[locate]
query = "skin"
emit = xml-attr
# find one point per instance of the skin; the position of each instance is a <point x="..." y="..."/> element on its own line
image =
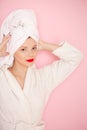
<point x="28" y="50"/>
<point x="3" y="45"/>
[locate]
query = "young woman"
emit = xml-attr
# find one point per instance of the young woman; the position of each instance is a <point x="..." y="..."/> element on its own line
<point x="24" y="89"/>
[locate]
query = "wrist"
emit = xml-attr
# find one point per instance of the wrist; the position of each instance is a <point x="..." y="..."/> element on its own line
<point x="51" y="47"/>
<point x="48" y="46"/>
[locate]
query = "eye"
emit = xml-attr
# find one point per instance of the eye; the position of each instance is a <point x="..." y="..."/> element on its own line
<point x="34" y="48"/>
<point x="23" y="49"/>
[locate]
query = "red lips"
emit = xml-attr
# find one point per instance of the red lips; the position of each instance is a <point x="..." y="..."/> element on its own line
<point x="30" y="60"/>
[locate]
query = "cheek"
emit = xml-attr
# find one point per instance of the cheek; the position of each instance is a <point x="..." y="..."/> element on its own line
<point x="35" y="54"/>
<point x="18" y="57"/>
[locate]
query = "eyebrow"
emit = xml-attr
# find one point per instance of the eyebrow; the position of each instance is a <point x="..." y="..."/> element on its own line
<point x="26" y="46"/>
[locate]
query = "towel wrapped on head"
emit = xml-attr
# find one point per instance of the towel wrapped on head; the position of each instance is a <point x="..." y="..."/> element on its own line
<point x="20" y="24"/>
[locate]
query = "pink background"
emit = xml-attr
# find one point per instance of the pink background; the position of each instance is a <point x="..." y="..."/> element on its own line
<point x="61" y="20"/>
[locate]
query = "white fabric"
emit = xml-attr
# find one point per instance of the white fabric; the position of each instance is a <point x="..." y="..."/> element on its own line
<point x="21" y="24"/>
<point x="23" y="109"/>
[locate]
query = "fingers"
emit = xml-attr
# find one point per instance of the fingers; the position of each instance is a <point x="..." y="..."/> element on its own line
<point x="4" y="54"/>
<point x="3" y="45"/>
<point x="6" y="39"/>
<point x="40" y="41"/>
<point x="41" y="44"/>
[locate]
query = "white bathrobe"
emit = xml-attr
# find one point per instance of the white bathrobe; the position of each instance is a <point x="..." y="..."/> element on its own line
<point x="23" y="109"/>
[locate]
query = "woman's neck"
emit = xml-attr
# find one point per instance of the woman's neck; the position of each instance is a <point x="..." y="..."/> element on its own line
<point x="19" y="73"/>
<point x="18" y="70"/>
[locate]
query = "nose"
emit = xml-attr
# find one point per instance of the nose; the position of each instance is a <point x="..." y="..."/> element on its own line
<point x="31" y="53"/>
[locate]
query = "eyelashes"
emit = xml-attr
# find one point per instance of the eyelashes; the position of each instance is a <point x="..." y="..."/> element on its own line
<point x="34" y="48"/>
<point x="24" y="49"/>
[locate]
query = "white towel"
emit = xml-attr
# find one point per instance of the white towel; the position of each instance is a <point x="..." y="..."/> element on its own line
<point x="21" y="24"/>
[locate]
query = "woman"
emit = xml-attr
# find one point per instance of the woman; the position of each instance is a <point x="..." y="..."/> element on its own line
<point x="24" y="89"/>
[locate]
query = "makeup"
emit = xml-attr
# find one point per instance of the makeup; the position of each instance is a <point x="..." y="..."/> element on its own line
<point x="30" y="60"/>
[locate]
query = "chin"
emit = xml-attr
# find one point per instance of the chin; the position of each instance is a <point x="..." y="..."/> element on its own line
<point x="29" y="64"/>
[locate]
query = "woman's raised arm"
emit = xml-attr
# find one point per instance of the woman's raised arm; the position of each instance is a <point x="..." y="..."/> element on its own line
<point x="3" y="45"/>
<point x="58" y="71"/>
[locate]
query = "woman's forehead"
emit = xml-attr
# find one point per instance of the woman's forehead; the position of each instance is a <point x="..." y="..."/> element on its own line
<point x="29" y="42"/>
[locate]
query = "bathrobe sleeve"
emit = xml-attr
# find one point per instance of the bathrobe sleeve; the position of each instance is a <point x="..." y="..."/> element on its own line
<point x="54" y="74"/>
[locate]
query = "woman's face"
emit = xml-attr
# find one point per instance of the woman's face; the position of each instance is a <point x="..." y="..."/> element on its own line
<point x="26" y="54"/>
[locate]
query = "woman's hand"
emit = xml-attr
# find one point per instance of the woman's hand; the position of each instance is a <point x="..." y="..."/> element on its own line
<point x="42" y="45"/>
<point x="3" y="45"/>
